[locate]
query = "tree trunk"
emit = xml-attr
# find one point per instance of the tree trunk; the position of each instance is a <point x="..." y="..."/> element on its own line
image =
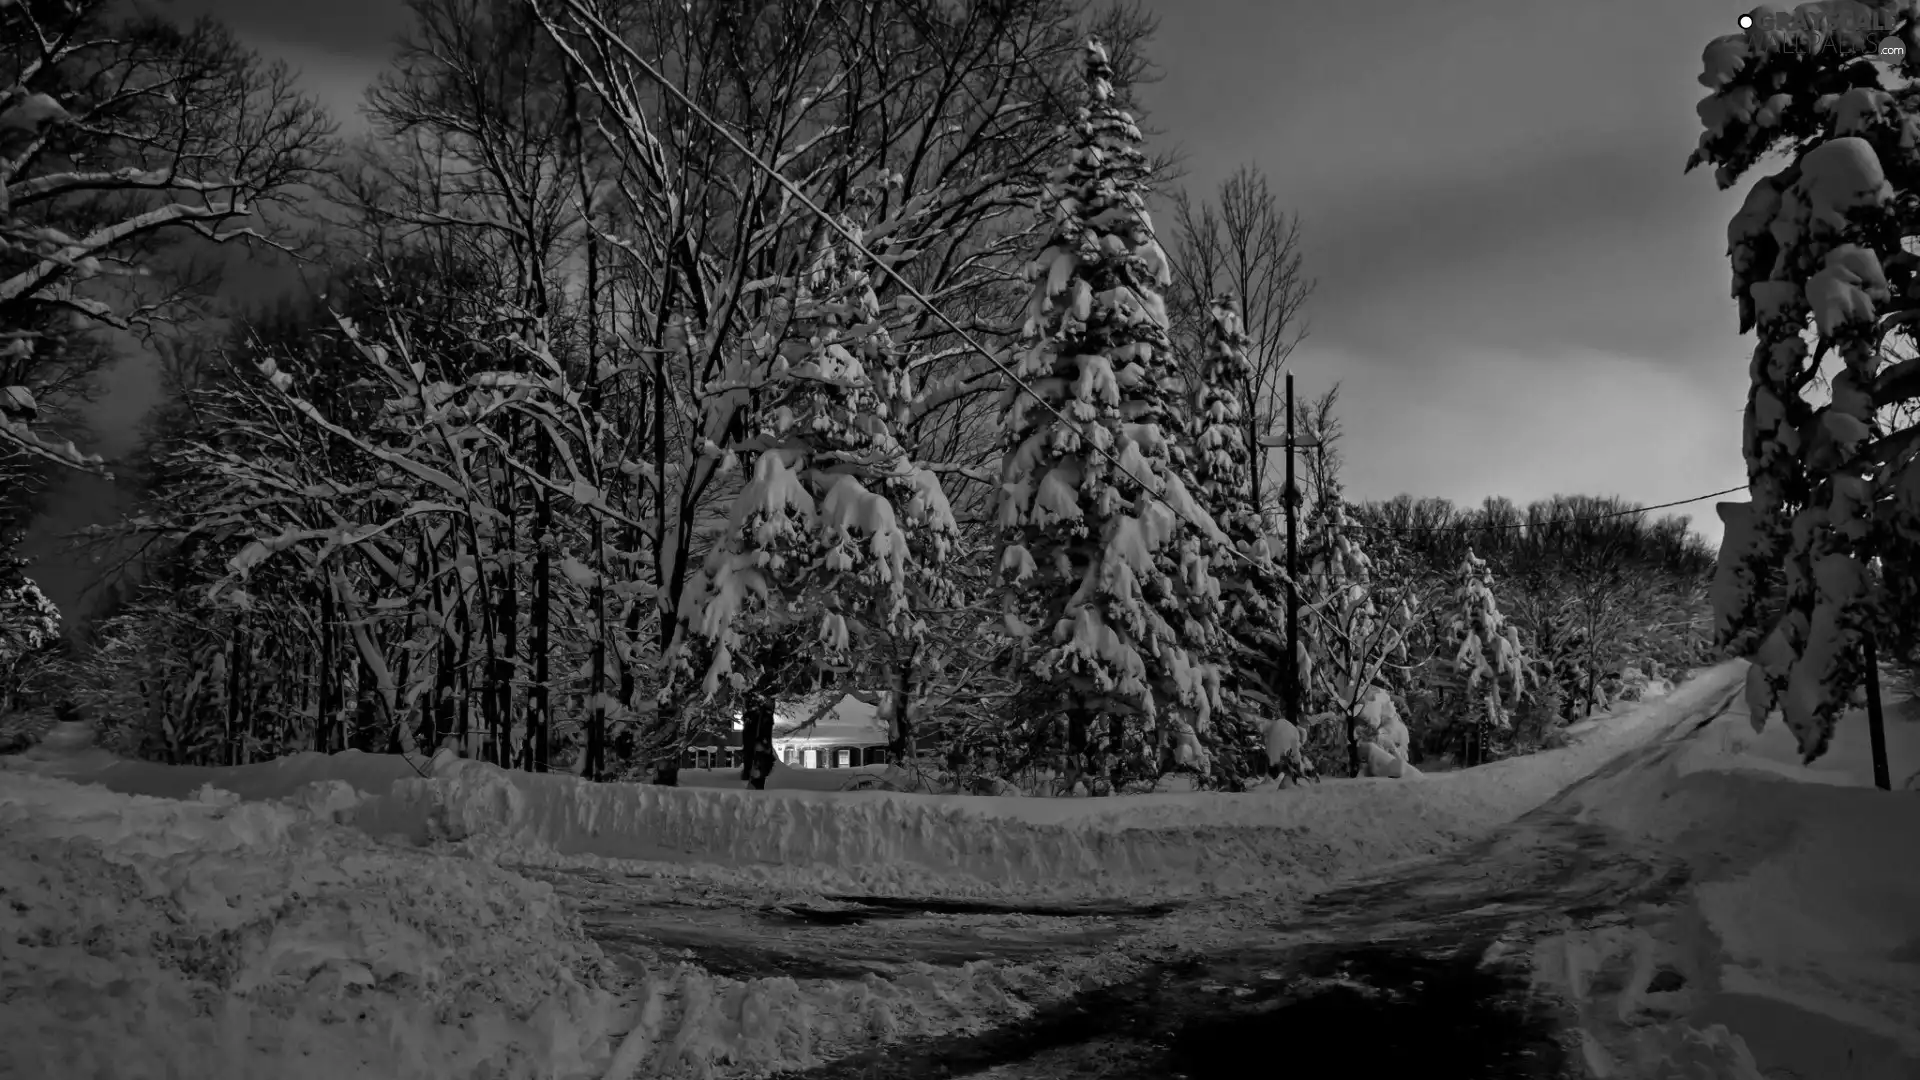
<point x="1876" y="718"/>
<point x="236" y="737"/>
<point x="595" y="749"/>
<point x="901" y="745"/>
<point x="1079" y="725"/>
<point x="507" y="626"/>
<point x="463" y="678"/>
<point x="666" y="772"/>
<point x="443" y="707"/>
<point x="366" y="712"/>
<point x="402" y="678"/>
<point x="756" y="739"/>
<point x="1353" y="744"/>
<point x="540" y="703"/>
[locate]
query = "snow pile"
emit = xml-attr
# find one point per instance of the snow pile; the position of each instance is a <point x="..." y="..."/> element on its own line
<point x="689" y="1021"/>
<point x="239" y="939"/>
<point x="1796" y="935"/>
<point x="216" y="939"/>
<point x="277" y="779"/>
<point x="152" y="938"/>
<point x="1276" y="842"/>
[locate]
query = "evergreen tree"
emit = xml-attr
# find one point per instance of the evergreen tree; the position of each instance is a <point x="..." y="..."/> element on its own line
<point x="1825" y="244"/>
<point x="1489" y="650"/>
<point x="1112" y="569"/>
<point x="836" y="524"/>
<point x="1223" y="462"/>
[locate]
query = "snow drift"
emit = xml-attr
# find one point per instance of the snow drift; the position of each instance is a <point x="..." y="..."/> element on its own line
<point x="1796" y="949"/>
<point x="1279" y="842"/>
<point x="154" y="938"/>
<point x="216" y="937"/>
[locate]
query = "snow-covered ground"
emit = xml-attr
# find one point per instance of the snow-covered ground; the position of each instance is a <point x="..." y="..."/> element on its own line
<point x="1276" y="842"/>
<point x="347" y="916"/>
<point x="1795" y="951"/>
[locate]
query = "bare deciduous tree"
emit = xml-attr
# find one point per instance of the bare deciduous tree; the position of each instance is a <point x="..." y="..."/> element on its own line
<point x="955" y="107"/>
<point x="128" y="144"/>
<point x="1242" y="242"/>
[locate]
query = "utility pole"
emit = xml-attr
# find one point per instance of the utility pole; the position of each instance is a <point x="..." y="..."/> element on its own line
<point x="1876" y="719"/>
<point x="1290" y="499"/>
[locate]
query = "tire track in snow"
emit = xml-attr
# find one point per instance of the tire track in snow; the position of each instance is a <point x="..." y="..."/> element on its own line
<point x="1426" y="967"/>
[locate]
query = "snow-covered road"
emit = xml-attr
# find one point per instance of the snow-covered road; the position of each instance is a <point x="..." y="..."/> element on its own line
<point x="1424" y="970"/>
<point x="321" y="915"/>
<point x="1564" y="945"/>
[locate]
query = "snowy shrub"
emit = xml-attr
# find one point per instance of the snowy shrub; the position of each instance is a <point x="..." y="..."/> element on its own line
<point x="1353" y="628"/>
<point x="29" y="627"/>
<point x="1109" y="569"/>
<point x="1820" y="250"/>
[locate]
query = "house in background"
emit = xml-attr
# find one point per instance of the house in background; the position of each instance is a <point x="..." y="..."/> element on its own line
<point x="712" y="756"/>
<point x="848" y="734"/>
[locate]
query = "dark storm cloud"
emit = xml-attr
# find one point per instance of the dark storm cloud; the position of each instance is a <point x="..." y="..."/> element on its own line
<point x="353" y="30"/>
<point x="1590" y="249"/>
<point x="1518" y="289"/>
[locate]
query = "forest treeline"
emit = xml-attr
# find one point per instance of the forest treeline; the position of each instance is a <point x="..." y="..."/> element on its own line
<point x="655" y="364"/>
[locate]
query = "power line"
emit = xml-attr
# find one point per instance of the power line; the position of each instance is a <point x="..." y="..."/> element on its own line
<point x="846" y="234"/>
<point x="1052" y="99"/>
<point x="588" y="18"/>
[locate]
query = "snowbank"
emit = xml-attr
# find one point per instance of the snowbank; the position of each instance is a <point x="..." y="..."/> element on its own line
<point x="152" y="938"/>
<point x="278" y="779"/>
<point x="1280" y="843"/>
<point x="1798" y="934"/>
<point x="1849" y="760"/>
<point x="232" y="941"/>
<point x="1284" y="841"/>
<point x="229" y="938"/>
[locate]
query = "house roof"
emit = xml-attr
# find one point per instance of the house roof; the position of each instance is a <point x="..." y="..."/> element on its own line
<point x="850" y="722"/>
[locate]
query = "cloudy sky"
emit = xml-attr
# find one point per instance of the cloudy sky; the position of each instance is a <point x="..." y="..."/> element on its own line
<point x="1519" y="291"/>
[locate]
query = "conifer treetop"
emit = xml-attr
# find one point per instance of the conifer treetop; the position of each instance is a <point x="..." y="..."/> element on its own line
<point x="1224" y="462"/>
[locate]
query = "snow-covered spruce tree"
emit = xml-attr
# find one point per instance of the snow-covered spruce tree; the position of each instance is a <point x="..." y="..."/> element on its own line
<point x="1252" y="589"/>
<point x="1827" y="241"/>
<point x="1110" y="568"/>
<point x="1223" y="462"/>
<point x="1489" y="651"/>
<point x="836" y="525"/>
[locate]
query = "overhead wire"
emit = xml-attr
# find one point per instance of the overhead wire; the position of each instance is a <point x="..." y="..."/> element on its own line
<point x="593" y="21"/>
<point x="1053" y="99"/>
<point x="898" y="279"/>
